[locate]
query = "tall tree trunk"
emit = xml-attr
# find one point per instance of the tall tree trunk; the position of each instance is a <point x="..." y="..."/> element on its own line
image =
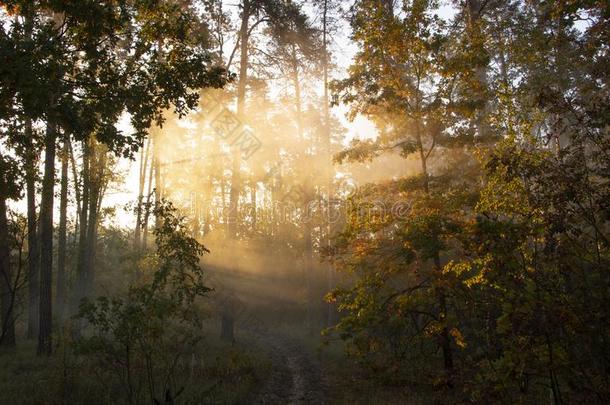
<point x="91" y="237"/>
<point x="156" y="135"/>
<point x="31" y="160"/>
<point x="142" y="179"/>
<point x="223" y="199"/>
<point x="330" y="313"/>
<point x="442" y="316"/>
<point x="233" y="217"/>
<point x="60" y="299"/>
<point x="75" y="180"/>
<point x="234" y="193"/>
<point x="7" y="291"/>
<point x="147" y="207"/>
<point x="46" y="244"/>
<point x="445" y="338"/>
<point x="196" y="215"/>
<point x="474" y="9"/>
<point x="297" y="92"/>
<point x="96" y="184"/>
<point x="82" y="265"/>
<point x="33" y="248"/>
<point x="308" y="256"/>
<point x="253" y="203"/>
<point x="307" y="237"/>
<point x="241" y="101"/>
<point x="207" y="206"/>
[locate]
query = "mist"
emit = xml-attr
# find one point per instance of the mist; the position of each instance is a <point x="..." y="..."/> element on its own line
<point x="304" y="202"/>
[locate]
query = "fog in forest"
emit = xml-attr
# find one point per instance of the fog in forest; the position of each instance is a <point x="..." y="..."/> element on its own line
<point x="304" y="202"/>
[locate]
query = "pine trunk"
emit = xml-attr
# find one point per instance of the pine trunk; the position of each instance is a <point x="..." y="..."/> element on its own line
<point x="307" y="238"/>
<point x="330" y="313"/>
<point x="241" y="100"/>
<point x="82" y="265"/>
<point x="445" y="339"/>
<point x="147" y="207"/>
<point x="60" y="299"/>
<point x="157" y="166"/>
<point x="33" y="247"/>
<point x="7" y="293"/>
<point x="253" y="205"/>
<point x="46" y="244"/>
<point x="96" y="171"/>
<point x="142" y="178"/>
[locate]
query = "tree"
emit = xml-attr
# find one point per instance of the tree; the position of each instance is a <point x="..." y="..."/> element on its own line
<point x="327" y="29"/>
<point x="157" y="315"/>
<point x="296" y="45"/>
<point x="405" y="83"/>
<point x="92" y="75"/>
<point x="9" y="190"/>
<point x="514" y="246"/>
<point x="61" y="289"/>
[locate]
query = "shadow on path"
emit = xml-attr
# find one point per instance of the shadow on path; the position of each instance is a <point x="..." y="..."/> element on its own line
<point x="295" y="375"/>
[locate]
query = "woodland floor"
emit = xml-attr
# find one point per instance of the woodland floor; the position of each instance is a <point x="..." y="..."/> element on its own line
<point x="295" y="376"/>
<point x="303" y="371"/>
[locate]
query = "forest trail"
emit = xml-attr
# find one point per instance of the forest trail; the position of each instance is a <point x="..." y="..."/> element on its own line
<point x="295" y="377"/>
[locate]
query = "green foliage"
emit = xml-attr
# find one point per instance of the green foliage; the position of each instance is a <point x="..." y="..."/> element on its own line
<point x="82" y="65"/>
<point x="504" y="249"/>
<point x="539" y="251"/>
<point x="212" y="374"/>
<point x="142" y="336"/>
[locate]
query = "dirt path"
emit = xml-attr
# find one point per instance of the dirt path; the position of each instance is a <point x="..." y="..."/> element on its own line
<point x="295" y="375"/>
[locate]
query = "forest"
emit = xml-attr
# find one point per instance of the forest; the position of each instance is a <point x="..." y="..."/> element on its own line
<point x="304" y="202"/>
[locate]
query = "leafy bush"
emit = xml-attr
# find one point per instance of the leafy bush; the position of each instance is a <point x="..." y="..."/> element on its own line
<point x="142" y="339"/>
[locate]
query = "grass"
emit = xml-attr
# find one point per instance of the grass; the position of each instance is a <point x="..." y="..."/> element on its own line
<point x="216" y="373"/>
<point x="345" y="381"/>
